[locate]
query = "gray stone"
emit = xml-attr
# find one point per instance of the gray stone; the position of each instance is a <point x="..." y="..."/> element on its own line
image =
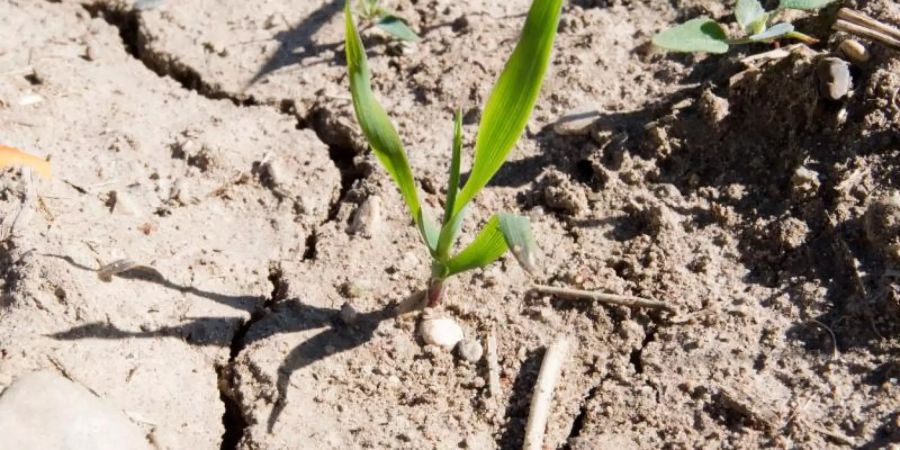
<point x="577" y="121"/>
<point x="45" y="411"/>
<point x="470" y="350"/>
<point x="835" y="80"/>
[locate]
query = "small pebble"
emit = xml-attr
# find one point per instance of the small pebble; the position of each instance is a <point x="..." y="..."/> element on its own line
<point x="348" y="314"/>
<point x="835" y="80"/>
<point x="470" y="350"/>
<point x="442" y="332"/>
<point x="367" y="219"/>
<point x="577" y="121"/>
<point x="854" y="51"/>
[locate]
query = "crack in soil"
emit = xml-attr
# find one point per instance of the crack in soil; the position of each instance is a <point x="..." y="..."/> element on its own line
<point x="127" y="21"/>
<point x="233" y="419"/>
<point x="636" y="357"/>
<point x="581" y="418"/>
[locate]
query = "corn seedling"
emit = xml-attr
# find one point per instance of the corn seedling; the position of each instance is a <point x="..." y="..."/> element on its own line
<point x="371" y="12"/>
<point x="757" y="25"/>
<point x="503" y="121"/>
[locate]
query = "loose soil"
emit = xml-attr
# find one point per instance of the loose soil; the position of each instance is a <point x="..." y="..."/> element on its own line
<point x="214" y="144"/>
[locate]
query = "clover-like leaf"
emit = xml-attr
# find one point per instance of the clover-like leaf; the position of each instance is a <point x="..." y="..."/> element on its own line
<point x="397" y="27"/>
<point x="697" y="35"/>
<point x="804" y="4"/>
<point x="749" y="15"/>
<point x="774" y="32"/>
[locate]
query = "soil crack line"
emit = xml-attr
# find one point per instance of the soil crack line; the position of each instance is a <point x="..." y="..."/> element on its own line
<point x="233" y="419"/>
<point x="127" y="21"/>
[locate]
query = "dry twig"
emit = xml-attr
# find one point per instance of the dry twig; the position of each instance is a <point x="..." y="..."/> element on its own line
<point x="861" y="25"/>
<point x="493" y="365"/>
<point x="612" y="299"/>
<point x="539" y="412"/>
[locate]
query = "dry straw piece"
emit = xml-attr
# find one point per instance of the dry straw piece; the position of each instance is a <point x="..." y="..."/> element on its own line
<point x="859" y="24"/>
<point x="542" y="397"/>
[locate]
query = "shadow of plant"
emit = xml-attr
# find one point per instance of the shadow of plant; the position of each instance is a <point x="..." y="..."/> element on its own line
<point x="284" y="316"/>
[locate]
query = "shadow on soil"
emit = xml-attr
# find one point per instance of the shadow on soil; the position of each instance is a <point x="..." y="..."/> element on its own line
<point x="297" y="43"/>
<point x="236" y="333"/>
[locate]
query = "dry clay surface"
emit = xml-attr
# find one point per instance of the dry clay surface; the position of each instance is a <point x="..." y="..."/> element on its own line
<point x="214" y="144"/>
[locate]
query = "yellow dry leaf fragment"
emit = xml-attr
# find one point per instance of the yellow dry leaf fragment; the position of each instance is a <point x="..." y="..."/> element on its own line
<point x="10" y="157"/>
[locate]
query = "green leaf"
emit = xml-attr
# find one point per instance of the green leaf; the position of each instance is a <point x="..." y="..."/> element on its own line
<point x="513" y="97"/>
<point x="397" y="27"/>
<point x="774" y="32"/>
<point x="517" y="233"/>
<point x="759" y="25"/>
<point x="804" y="4"/>
<point x="748" y="13"/>
<point x="501" y="233"/>
<point x="429" y="231"/>
<point x="375" y="123"/>
<point x="451" y="223"/>
<point x="697" y="35"/>
<point x="488" y="245"/>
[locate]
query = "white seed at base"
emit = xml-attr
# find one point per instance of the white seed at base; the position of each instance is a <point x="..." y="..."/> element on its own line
<point x="854" y="51"/>
<point x="442" y="332"/>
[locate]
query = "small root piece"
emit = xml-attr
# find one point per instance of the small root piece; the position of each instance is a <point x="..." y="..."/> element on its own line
<point x="612" y="299"/>
<point x="106" y="272"/>
<point x="834" y="435"/>
<point x="542" y="397"/>
<point x="834" y="349"/>
<point x="493" y="365"/>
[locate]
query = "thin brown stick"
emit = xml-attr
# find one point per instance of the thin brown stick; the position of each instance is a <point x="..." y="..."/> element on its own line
<point x="871" y="23"/>
<point x="542" y="397"/>
<point x="612" y="299"/>
<point x="858" y="30"/>
<point x="493" y="365"/>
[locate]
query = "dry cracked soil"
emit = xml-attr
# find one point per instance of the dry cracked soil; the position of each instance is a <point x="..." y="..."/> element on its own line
<point x="212" y="143"/>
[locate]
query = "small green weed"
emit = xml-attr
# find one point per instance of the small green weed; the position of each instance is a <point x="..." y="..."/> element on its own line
<point x="503" y="121"/>
<point x="373" y="13"/>
<point x="706" y="35"/>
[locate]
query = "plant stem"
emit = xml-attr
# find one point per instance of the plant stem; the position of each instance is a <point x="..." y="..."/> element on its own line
<point x="613" y="299"/>
<point x="435" y="292"/>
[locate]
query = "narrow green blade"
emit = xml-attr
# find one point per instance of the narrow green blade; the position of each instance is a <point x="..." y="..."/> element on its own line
<point x="501" y="233"/>
<point x="451" y="223"/>
<point x="488" y="245"/>
<point x="512" y="100"/>
<point x="696" y="35"/>
<point x="804" y="4"/>
<point x="775" y="32"/>
<point x="398" y="28"/>
<point x="429" y="231"/>
<point x="747" y="13"/>
<point x="374" y="121"/>
<point x="517" y="233"/>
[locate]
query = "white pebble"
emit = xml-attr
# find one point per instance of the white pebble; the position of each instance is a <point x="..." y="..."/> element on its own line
<point x="442" y="332"/>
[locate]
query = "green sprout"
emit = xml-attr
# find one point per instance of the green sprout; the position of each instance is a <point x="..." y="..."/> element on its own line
<point x="503" y="121"/>
<point x="706" y="35"/>
<point x="373" y="13"/>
